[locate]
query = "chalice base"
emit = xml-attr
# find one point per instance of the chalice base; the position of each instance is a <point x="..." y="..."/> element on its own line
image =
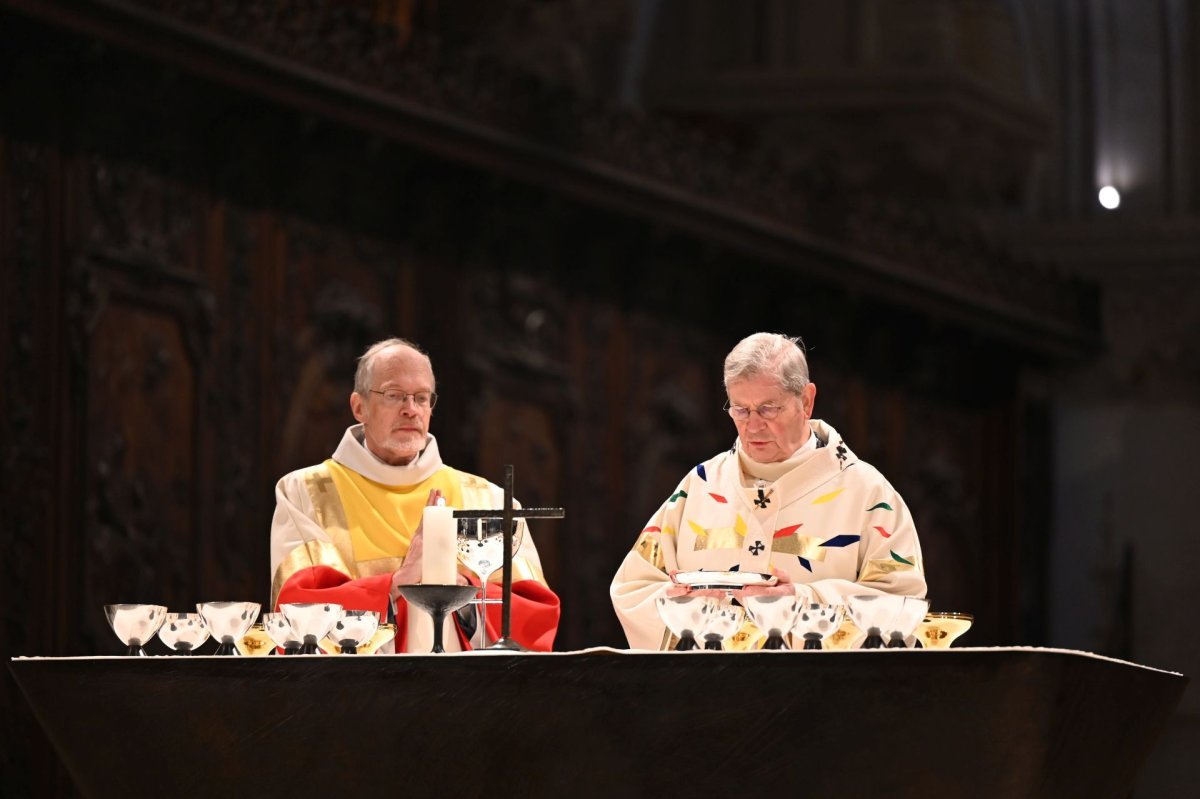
<point x="874" y="641"/>
<point x="506" y="644"/>
<point x="686" y="642"/>
<point x="775" y="641"/>
<point x="227" y="648"/>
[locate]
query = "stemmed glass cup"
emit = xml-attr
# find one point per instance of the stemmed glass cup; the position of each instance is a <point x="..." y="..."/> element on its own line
<point x="183" y="633"/>
<point x="135" y="624"/>
<point x="774" y="615"/>
<point x="815" y="622"/>
<point x="280" y="633"/>
<point x="686" y="617"/>
<point x="353" y="629"/>
<point x="845" y="636"/>
<point x="874" y="614"/>
<point x="723" y="624"/>
<point x="912" y="610"/>
<point x="481" y="550"/>
<point x="311" y="621"/>
<point x="228" y="622"/>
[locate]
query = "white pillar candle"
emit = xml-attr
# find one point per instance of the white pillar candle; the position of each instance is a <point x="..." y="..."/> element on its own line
<point x="441" y="546"/>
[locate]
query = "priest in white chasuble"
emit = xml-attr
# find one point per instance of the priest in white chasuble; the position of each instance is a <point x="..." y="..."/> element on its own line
<point x="790" y="499"/>
<point x="348" y="530"/>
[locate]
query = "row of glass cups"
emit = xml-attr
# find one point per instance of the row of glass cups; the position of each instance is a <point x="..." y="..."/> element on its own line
<point x="304" y="628"/>
<point x="866" y="621"/>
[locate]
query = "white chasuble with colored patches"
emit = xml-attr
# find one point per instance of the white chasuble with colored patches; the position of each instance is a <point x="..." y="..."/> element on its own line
<point x="831" y="523"/>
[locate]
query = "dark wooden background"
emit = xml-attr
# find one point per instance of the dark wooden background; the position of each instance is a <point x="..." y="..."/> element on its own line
<point x="192" y="259"/>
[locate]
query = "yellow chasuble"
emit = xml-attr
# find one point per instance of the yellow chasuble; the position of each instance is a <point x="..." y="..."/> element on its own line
<point x="381" y="519"/>
<point x="372" y="524"/>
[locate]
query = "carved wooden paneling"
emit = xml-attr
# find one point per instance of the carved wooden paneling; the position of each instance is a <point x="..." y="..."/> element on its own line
<point x="335" y="291"/>
<point x="140" y="525"/>
<point x="28" y="435"/>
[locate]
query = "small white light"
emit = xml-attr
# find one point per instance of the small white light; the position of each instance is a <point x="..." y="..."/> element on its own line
<point x="1110" y="198"/>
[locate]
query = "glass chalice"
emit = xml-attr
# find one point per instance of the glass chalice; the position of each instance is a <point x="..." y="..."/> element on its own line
<point x="311" y="621"/>
<point x="686" y="617"/>
<point x="183" y="633"/>
<point x="774" y="615"/>
<point x="874" y="614"/>
<point x="227" y="622"/>
<point x="816" y="622"/>
<point x="938" y="630"/>
<point x="354" y="629"/>
<point x="846" y="636"/>
<point x="481" y="550"/>
<point x="135" y="624"/>
<point x="724" y="622"/>
<point x="280" y="633"/>
<point x="912" y="610"/>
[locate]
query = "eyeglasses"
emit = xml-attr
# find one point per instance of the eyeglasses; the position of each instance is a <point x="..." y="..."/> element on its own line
<point x="767" y="412"/>
<point x="394" y="397"/>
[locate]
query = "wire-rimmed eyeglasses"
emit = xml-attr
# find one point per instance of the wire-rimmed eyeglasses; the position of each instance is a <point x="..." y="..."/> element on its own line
<point x="766" y="411"/>
<point x="394" y="397"/>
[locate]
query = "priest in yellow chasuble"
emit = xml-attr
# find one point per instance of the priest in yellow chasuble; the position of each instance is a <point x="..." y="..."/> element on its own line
<point x="348" y="530"/>
<point x="789" y="498"/>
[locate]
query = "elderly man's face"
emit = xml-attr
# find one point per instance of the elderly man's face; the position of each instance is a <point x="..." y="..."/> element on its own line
<point x="396" y="434"/>
<point x="771" y="440"/>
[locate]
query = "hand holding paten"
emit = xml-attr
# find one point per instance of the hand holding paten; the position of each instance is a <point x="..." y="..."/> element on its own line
<point x="680" y="589"/>
<point x="782" y="587"/>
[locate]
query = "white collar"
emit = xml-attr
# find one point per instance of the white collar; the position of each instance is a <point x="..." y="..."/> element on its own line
<point x="753" y="470"/>
<point x="352" y="453"/>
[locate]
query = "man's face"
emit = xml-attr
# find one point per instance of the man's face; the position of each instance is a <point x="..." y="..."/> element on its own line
<point x="771" y="440"/>
<point x="396" y="434"/>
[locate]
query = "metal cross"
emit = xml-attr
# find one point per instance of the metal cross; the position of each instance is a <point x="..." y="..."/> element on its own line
<point x="506" y="641"/>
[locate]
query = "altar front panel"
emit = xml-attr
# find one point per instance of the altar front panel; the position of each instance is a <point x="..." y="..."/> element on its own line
<point x="603" y="723"/>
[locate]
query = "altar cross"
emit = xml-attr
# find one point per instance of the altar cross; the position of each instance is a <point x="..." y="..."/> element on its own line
<point x="506" y="641"/>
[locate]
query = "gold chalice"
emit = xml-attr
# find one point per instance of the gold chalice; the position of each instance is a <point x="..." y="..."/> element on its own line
<point x="939" y="630"/>
<point x="384" y="634"/>
<point x="256" y="642"/>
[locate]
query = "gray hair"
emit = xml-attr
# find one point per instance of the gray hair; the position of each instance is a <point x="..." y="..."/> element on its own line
<point x="781" y="357"/>
<point x="366" y="362"/>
